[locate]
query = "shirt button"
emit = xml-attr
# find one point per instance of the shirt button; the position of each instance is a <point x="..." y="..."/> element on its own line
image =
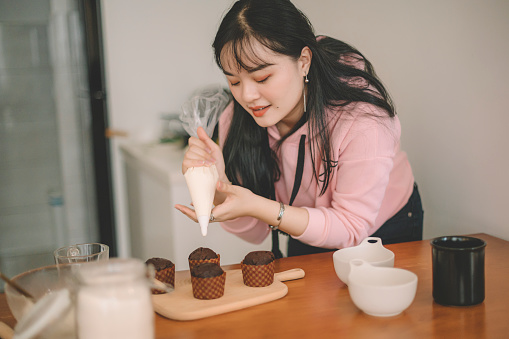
<point x="409" y="214"/>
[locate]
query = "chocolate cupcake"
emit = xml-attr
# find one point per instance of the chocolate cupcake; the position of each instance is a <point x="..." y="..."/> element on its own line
<point x="207" y="280"/>
<point x="165" y="272"/>
<point x="203" y="255"/>
<point x="258" y="269"/>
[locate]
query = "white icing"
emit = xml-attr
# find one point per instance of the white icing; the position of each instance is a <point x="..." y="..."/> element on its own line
<point x="201" y="182"/>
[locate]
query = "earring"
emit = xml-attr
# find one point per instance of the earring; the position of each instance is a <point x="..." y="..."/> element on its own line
<point x="304" y="101"/>
<point x="304" y="94"/>
<point x="306" y="80"/>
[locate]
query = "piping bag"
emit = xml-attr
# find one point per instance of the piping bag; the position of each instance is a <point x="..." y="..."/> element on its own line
<point x="203" y="109"/>
<point x="201" y="182"/>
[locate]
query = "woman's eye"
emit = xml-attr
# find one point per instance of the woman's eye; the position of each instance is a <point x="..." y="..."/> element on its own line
<point x="263" y="80"/>
<point x="235" y="83"/>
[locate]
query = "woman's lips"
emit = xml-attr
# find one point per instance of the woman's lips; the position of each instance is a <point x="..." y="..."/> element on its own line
<point x="259" y="111"/>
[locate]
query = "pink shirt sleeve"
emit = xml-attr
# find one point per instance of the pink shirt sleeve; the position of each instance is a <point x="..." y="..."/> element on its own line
<point x="356" y="195"/>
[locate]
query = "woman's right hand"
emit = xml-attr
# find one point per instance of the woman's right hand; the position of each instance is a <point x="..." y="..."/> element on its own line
<point x="198" y="153"/>
<point x="203" y="151"/>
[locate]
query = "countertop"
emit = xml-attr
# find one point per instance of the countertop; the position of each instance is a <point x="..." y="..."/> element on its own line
<point x="319" y="305"/>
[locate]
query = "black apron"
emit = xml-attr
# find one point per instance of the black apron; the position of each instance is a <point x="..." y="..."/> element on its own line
<point x="295" y="247"/>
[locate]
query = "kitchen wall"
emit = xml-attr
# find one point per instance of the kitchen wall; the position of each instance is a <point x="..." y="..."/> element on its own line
<point x="444" y="62"/>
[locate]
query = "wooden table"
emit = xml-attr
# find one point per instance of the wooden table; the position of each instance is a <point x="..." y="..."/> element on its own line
<point x="319" y="305"/>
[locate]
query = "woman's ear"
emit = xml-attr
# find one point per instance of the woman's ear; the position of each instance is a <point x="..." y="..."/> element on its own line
<point x="305" y="60"/>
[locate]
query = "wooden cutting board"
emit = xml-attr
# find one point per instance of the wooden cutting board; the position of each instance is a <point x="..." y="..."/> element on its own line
<point x="181" y="305"/>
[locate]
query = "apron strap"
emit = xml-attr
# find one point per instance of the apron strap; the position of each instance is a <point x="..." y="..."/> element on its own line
<point x="295" y="190"/>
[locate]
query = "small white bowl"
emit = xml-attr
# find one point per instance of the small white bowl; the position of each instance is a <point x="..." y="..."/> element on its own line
<point x="370" y="250"/>
<point x="381" y="291"/>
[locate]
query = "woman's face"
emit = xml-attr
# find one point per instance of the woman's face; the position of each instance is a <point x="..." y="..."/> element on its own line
<point x="272" y="90"/>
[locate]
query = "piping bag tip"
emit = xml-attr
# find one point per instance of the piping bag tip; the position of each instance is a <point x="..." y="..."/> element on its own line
<point x="204" y="224"/>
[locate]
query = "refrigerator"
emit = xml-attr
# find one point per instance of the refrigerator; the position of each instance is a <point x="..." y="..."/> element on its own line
<point x="48" y="164"/>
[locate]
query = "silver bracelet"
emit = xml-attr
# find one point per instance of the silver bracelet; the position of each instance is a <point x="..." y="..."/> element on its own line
<point x="279" y="217"/>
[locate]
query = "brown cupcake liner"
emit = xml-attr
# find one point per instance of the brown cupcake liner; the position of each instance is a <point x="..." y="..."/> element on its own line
<point x="166" y="276"/>
<point x="193" y="263"/>
<point x="257" y="275"/>
<point x="208" y="288"/>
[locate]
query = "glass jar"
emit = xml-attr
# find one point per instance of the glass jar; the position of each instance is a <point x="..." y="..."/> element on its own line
<point x="114" y="300"/>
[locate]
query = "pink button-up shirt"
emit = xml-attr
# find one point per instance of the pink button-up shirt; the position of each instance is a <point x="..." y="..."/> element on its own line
<point x="372" y="181"/>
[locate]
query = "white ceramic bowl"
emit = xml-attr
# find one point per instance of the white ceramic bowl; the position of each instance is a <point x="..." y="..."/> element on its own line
<point x="370" y="250"/>
<point x="41" y="283"/>
<point x="381" y="291"/>
<point x="38" y="282"/>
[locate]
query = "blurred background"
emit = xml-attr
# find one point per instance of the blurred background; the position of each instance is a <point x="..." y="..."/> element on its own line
<point x="53" y="164"/>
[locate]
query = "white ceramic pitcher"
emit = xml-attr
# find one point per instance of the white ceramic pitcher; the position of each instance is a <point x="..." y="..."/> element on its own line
<point x="370" y="250"/>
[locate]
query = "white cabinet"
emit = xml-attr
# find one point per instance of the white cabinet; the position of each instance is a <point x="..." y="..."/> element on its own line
<point x="154" y="185"/>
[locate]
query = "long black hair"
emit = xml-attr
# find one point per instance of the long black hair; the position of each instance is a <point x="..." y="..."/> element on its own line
<point x="281" y="27"/>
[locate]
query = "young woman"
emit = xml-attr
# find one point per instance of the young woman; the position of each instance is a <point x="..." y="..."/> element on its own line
<point x="310" y="144"/>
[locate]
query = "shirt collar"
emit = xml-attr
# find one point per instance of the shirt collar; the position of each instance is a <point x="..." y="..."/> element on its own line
<point x="294" y="138"/>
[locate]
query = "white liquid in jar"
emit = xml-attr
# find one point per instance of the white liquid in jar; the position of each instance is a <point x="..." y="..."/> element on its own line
<point x="115" y="309"/>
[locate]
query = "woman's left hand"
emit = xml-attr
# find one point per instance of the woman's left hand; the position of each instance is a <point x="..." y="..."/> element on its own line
<point x="189" y="212"/>
<point x="236" y="204"/>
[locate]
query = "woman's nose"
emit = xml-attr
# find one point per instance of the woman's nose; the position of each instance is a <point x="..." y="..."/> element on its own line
<point x="250" y="92"/>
